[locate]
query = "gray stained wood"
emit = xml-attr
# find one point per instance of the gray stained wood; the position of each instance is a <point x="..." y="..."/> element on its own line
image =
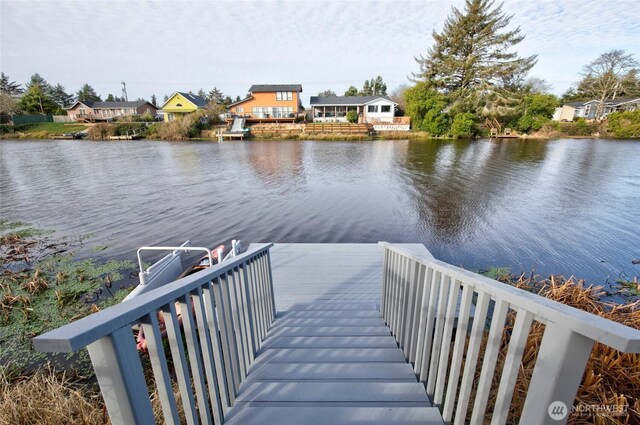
<point x="329" y="358"/>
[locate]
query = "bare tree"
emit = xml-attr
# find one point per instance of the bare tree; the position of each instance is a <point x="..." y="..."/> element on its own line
<point x="606" y="76"/>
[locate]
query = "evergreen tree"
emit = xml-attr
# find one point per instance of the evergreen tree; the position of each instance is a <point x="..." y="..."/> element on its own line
<point x="38" y="80"/>
<point x="202" y="94"/>
<point x="327" y="93"/>
<point x="215" y="96"/>
<point x="87" y="93"/>
<point x="367" y="90"/>
<point x="238" y="99"/>
<point x="378" y="86"/>
<point x="471" y="56"/>
<point x="227" y="100"/>
<point x="351" y="91"/>
<point x="35" y="101"/>
<point x="165" y="98"/>
<point x="8" y="87"/>
<point x="110" y="98"/>
<point x="59" y="95"/>
<point x="154" y="101"/>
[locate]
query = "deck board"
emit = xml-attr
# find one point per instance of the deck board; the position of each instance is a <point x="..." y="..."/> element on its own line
<point x="329" y="357"/>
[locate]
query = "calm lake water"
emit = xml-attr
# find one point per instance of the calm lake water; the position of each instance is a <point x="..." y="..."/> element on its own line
<point x="562" y="206"/>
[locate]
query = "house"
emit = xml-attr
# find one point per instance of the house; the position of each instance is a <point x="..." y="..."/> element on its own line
<point x="370" y="109"/>
<point x="86" y="110"/>
<point x="269" y="103"/>
<point x="180" y="104"/>
<point x="588" y="109"/>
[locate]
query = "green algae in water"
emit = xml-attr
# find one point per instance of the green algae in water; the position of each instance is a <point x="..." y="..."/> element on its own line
<point x="52" y="291"/>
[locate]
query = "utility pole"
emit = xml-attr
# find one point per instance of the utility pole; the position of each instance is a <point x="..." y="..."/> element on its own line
<point x="124" y="91"/>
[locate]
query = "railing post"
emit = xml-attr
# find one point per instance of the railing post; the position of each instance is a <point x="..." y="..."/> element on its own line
<point x="561" y="362"/>
<point x="117" y="366"/>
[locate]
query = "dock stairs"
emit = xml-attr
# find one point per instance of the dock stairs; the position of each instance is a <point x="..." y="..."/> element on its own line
<point x="336" y="334"/>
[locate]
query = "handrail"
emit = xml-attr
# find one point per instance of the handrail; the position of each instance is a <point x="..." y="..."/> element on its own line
<point x="214" y="322"/>
<point x="616" y="335"/>
<point x="79" y="334"/>
<point x="441" y="318"/>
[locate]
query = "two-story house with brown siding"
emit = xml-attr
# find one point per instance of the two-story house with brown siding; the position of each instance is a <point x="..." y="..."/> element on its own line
<point x="85" y="110"/>
<point x="269" y="103"/>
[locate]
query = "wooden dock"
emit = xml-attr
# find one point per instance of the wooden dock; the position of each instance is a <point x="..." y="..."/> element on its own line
<point x="329" y="357"/>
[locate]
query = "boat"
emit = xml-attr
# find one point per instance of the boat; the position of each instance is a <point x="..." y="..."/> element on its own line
<point x="170" y="268"/>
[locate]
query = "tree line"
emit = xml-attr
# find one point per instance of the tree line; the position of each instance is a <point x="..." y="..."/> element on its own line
<point x="39" y="97"/>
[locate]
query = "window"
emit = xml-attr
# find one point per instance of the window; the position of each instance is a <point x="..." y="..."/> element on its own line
<point x="82" y="112"/>
<point x="385" y="108"/>
<point x="372" y="108"/>
<point x="284" y="95"/>
<point x="239" y="109"/>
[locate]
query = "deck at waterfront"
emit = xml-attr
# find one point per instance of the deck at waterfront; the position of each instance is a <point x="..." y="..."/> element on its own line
<point x="336" y="334"/>
<point x="329" y="357"/>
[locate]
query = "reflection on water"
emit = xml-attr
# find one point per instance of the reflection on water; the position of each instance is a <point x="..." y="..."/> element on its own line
<point x="563" y="206"/>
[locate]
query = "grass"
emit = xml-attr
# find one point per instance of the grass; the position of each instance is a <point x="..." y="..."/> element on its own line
<point x="43" y="286"/>
<point x="44" y="130"/>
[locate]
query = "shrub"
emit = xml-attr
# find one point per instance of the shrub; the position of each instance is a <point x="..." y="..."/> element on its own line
<point x="101" y="131"/>
<point x="352" y="116"/>
<point x="463" y="125"/>
<point x="624" y="125"/>
<point x="528" y="123"/>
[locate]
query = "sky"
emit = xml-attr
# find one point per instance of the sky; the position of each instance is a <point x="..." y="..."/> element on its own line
<point x="159" y="47"/>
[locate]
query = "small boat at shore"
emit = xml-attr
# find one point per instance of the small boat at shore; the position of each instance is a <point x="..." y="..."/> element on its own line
<point x="170" y="268"/>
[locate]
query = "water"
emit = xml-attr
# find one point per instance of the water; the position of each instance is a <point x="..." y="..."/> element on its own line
<point x="570" y="207"/>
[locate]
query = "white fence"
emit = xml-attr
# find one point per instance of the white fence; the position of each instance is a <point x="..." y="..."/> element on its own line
<point x="428" y="304"/>
<point x="62" y="118"/>
<point x="214" y="320"/>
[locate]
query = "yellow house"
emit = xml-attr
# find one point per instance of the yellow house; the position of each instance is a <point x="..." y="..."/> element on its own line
<point x="180" y="104"/>
<point x="269" y="103"/>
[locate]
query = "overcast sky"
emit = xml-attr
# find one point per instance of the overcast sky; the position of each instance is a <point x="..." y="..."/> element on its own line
<point x="159" y="47"/>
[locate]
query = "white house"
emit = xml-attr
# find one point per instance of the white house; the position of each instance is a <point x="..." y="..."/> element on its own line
<point x="587" y="109"/>
<point x="370" y="109"/>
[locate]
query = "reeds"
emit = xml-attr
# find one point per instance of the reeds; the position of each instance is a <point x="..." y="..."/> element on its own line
<point x="611" y="378"/>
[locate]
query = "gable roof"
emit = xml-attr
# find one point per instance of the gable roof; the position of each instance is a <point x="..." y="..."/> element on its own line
<point x="193" y="98"/>
<point x="239" y="101"/>
<point x="262" y="88"/>
<point x="346" y="100"/>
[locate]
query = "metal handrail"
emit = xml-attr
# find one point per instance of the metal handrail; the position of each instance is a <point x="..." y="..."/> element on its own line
<point x="174" y="249"/>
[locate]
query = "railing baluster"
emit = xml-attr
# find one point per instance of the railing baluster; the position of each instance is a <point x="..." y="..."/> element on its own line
<point x="117" y="366"/>
<point x="429" y="324"/>
<point x="470" y="362"/>
<point x="449" y="320"/>
<point x="422" y="319"/>
<point x="559" y="367"/>
<point x="179" y="361"/>
<point x="385" y="282"/>
<point x="272" y="304"/>
<point x="417" y="301"/>
<point x="260" y="297"/>
<point x="195" y="358"/>
<point x="410" y="301"/>
<point x="511" y="366"/>
<point x="458" y="351"/>
<point x="489" y="361"/>
<point x="438" y="334"/>
<point x="161" y="376"/>
<point x="215" y="331"/>
<point x="232" y="345"/>
<point x="207" y="352"/>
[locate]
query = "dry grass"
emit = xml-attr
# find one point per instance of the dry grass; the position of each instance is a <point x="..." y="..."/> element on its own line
<point x="49" y="398"/>
<point x="611" y="378"/>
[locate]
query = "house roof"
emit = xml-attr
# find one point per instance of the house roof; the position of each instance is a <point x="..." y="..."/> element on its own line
<point x="261" y="88"/>
<point x="575" y="104"/>
<point x="195" y="99"/>
<point x="240" y="101"/>
<point x="621" y="100"/>
<point x="110" y="105"/>
<point x="346" y="100"/>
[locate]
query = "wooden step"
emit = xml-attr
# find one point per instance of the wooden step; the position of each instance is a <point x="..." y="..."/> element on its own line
<point x="330" y="342"/>
<point x="391" y="372"/>
<point x="334" y="415"/>
<point x="329" y="355"/>
<point x="323" y="392"/>
<point x="329" y="331"/>
<point x="337" y="321"/>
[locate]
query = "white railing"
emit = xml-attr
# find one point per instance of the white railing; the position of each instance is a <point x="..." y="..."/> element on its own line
<point x="214" y="320"/>
<point x="428" y="305"/>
